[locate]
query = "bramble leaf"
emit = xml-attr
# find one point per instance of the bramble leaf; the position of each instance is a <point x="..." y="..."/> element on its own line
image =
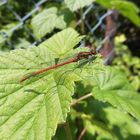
<point x="49" y="19"/>
<point x="33" y="108"/>
<point x="126" y="8"/>
<point x="113" y="88"/>
<point x="76" y="4"/>
<point x="114" y="117"/>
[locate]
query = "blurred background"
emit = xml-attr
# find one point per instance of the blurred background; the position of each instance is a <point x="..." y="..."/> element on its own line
<point x="111" y="29"/>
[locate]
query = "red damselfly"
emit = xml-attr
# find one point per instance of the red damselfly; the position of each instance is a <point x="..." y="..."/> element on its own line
<point x="79" y="56"/>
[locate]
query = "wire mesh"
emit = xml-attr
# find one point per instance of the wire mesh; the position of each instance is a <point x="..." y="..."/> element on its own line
<point x="98" y="24"/>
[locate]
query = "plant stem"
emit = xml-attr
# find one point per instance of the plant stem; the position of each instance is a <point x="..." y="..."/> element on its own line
<point x="82" y="134"/>
<point x="82" y="98"/>
<point x="68" y="131"/>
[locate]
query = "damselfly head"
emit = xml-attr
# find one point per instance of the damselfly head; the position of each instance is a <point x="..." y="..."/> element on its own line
<point x="85" y="55"/>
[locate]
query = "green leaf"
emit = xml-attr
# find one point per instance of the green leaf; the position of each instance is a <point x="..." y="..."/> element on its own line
<point x="121" y="124"/>
<point x="128" y="125"/>
<point x="94" y="127"/>
<point x="77" y="4"/>
<point x="32" y="109"/>
<point x="113" y="88"/>
<point x="49" y="19"/>
<point x="5" y="34"/>
<point x="91" y="124"/>
<point x="22" y="44"/>
<point x="62" y="44"/>
<point x="126" y="8"/>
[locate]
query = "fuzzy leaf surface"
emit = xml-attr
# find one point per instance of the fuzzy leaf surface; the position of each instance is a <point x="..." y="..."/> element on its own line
<point x="49" y="19"/>
<point x="32" y="109"/>
<point x="113" y="88"/>
<point x="76" y="4"/>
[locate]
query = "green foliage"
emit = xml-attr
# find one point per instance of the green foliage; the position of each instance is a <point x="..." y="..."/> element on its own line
<point x="5" y="33"/>
<point x="77" y="4"/>
<point x="126" y="8"/>
<point x="127" y="62"/>
<point x="22" y="44"/>
<point x="35" y="106"/>
<point x="49" y="19"/>
<point x="114" y="89"/>
<point x="60" y="17"/>
<point x="42" y="102"/>
<point x="122" y="125"/>
<point x="86" y="95"/>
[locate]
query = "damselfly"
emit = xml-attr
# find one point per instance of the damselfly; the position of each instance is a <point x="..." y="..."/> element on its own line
<point x="79" y="56"/>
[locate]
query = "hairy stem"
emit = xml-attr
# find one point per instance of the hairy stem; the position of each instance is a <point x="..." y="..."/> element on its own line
<point x="82" y="134"/>
<point x="82" y="98"/>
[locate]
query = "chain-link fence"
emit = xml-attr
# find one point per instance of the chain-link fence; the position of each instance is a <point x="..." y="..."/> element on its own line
<point x="21" y="20"/>
<point x="102" y="21"/>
